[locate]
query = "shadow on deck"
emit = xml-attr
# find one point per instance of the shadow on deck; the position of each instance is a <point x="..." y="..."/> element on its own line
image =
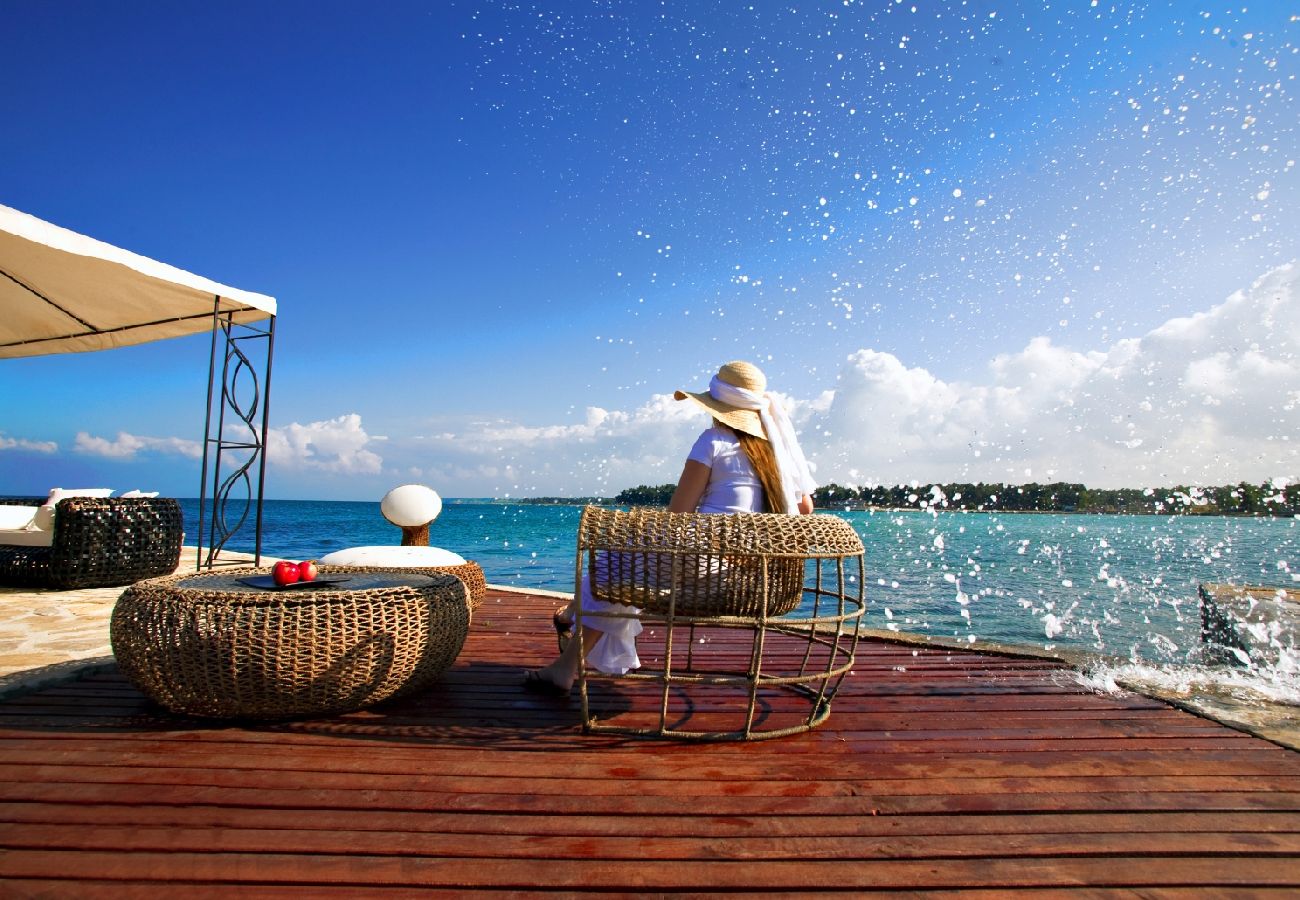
<point x="937" y="770"/>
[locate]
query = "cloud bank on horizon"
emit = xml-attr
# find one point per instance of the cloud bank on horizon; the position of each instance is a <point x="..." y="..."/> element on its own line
<point x="1207" y="399"/>
<point x="1212" y="398"/>
<point x="129" y="446"/>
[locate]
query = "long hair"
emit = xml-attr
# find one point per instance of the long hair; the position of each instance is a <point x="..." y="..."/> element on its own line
<point x="763" y="460"/>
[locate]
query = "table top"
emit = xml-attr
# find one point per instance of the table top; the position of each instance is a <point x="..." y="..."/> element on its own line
<point x="335" y="582"/>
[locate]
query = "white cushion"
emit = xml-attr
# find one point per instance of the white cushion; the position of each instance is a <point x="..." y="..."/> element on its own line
<point x="57" y="494"/>
<point x="13" y="518"/>
<point x="25" y="537"/>
<point x="135" y="495"/>
<point x="411" y="505"/>
<point x="44" y="518"/>
<point x="392" y="557"/>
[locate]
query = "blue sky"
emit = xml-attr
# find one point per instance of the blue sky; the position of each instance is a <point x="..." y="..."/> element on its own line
<point x="985" y="241"/>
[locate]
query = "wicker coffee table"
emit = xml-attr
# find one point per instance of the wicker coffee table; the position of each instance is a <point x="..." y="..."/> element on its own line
<point x="212" y="645"/>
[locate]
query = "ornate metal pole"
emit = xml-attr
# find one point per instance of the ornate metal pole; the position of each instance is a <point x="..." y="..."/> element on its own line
<point x="242" y="396"/>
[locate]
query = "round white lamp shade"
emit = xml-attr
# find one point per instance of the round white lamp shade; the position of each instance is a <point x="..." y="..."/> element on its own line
<point x="411" y="505"/>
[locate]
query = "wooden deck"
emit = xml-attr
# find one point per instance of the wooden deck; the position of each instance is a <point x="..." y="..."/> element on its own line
<point x="938" y="771"/>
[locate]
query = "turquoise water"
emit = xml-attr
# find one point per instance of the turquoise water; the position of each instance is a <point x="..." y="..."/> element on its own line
<point x="526" y="546"/>
<point x="1125" y="585"/>
<point x="1120" y="587"/>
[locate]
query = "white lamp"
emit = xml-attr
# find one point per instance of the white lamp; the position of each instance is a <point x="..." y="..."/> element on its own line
<point x="412" y="507"/>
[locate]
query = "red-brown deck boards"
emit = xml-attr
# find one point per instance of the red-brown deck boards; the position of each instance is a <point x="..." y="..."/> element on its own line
<point x="938" y="770"/>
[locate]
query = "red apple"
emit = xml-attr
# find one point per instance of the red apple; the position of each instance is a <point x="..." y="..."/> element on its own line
<point x="307" y="570"/>
<point x="284" y="572"/>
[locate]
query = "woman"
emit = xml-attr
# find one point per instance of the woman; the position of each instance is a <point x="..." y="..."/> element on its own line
<point x="748" y="461"/>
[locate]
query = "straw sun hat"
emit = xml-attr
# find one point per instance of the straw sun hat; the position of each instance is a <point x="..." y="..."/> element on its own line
<point x="737" y="374"/>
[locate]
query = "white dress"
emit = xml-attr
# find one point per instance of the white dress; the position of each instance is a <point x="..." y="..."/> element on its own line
<point x="733" y="487"/>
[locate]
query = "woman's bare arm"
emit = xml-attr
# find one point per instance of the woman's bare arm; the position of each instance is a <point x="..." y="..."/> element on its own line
<point x="805" y="504"/>
<point x="690" y="487"/>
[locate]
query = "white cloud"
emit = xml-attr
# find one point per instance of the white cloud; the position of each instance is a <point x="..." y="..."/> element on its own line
<point x="1204" y="399"/>
<point x="8" y="443"/>
<point x="605" y="452"/>
<point x="336" y="445"/>
<point x="1211" y="398"/>
<point x="128" y="446"/>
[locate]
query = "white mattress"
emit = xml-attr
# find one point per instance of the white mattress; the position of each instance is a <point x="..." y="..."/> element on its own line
<point x="21" y="537"/>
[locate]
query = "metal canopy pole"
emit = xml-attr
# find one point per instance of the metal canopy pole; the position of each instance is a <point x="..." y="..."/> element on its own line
<point x="266" y="418"/>
<point x="243" y="445"/>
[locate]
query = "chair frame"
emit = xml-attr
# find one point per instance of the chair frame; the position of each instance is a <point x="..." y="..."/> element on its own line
<point x="684" y="596"/>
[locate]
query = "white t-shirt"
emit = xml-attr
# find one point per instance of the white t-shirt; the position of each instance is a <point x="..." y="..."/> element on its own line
<point x="733" y="485"/>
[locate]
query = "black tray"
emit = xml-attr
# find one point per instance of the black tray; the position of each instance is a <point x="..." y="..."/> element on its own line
<point x="267" y="583"/>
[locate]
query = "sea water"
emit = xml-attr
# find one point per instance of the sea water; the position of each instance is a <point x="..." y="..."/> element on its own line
<point x="522" y="545"/>
<point x="1121" y="589"/>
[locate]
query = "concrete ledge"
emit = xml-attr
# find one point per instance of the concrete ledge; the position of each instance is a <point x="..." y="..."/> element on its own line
<point x="532" y="592"/>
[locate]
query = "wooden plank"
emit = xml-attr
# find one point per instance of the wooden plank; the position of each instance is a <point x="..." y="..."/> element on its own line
<point x="620" y="799"/>
<point x="448" y="738"/>
<point x="745" y="782"/>
<point x="233" y="757"/>
<point x="467" y="680"/>
<point x="99" y="890"/>
<point x="682" y="824"/>
<point x="139" y="839"/>
<point x="859" y="717"/>
<point x="636" y="875"/>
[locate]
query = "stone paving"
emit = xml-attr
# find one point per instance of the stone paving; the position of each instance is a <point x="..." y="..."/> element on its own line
<point x="43" y="628"/>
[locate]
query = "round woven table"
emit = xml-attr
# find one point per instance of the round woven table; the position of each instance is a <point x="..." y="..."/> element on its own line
<point x="215" y="645"/>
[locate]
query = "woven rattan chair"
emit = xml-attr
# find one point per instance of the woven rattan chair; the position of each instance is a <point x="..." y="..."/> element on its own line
<point x="791" y="587"/>
<point x="98" y="543"/>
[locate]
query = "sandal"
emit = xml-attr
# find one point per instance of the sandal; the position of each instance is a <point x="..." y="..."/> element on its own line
<point x="563" y="629"/>
<point x="534" y="682"/>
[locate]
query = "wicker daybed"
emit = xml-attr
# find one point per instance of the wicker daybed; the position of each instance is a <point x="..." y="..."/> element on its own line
<point x="793" y="585"/>
<point x="97" y="542"/>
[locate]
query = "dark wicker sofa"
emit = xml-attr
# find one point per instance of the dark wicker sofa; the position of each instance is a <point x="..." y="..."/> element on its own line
<point x="98" y="543"/>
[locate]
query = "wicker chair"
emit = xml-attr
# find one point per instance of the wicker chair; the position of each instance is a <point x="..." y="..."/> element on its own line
<point x="701" y="578"/>
<point x="98" y="543"/>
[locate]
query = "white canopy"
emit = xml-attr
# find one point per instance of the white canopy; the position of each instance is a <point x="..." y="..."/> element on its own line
<point x="62" y="292"/>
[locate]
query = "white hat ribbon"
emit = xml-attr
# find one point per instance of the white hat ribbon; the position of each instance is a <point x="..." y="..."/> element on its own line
<point x="795" y="474"/>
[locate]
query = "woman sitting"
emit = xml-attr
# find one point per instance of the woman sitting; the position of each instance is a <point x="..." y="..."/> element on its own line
<point x="748" y="461"/>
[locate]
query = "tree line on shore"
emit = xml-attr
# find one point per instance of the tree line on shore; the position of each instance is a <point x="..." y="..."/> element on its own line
<point x="1242" y="499"/>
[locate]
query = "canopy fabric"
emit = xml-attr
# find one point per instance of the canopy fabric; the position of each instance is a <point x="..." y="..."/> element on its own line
<point x="63" y="292"/>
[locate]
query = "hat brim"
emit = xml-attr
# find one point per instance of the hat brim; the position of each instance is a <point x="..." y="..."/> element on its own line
<point x="746" y="420"/>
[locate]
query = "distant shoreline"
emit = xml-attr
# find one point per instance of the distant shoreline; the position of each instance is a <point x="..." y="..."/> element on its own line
<point x="1195" y="512"/>
<point x="1192" y="511"/>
